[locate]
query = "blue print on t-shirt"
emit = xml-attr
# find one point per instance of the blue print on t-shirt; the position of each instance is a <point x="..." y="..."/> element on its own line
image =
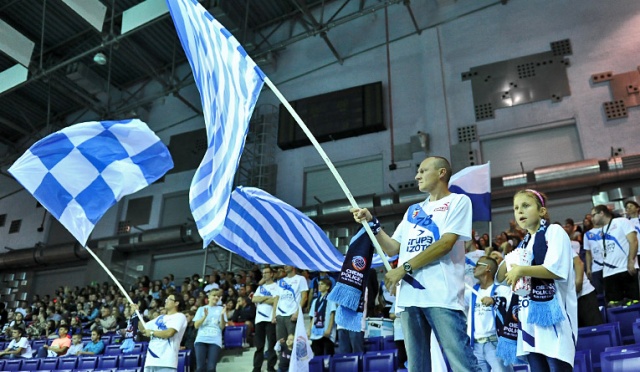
<point x="426" y="228"/>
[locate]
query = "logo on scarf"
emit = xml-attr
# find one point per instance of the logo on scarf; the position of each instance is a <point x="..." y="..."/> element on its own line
<point x="359" y="263"/>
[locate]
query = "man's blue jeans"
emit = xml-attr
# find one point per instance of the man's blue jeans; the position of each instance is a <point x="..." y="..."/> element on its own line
<point x="450" y="328"/>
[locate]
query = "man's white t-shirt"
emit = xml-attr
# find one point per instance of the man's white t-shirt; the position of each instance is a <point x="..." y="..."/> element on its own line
<point x="163" y="352"/>
<point x="554" y="342"/>
<point x="264" y="311"/>
<point x="617" y="245"/>
<point x="593" y="242"/>
<point x="422" y="225"/>
<point x="587" y="287"/>
<point x="290" y="293"/>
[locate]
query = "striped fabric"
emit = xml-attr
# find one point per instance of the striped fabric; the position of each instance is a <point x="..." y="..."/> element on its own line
<point x="229" y="83"/>
<point x="264" y="229"/>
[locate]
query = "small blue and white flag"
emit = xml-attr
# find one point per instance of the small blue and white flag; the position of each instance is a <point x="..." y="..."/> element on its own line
<point x="475" y="182"/>
<point x="264" y="229"/>
<point x="81" y="171"/>
<point x="229" y="83"/>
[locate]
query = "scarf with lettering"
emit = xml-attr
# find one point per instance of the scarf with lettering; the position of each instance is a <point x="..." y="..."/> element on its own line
<point x="544" y="308"/>
<point x="354" y="272"/>
<point x="507" y="325"/>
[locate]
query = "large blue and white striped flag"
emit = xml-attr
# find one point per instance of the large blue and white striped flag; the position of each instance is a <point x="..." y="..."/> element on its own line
<point x="81" y="171"/>
<point x="264" y="229"/>
<point x="229" y="83"/>
<point x="475" y="182"/>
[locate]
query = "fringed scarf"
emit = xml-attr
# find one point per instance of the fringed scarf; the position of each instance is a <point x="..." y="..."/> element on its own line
<point x="544" y="308"/>
<point x="507" y="325"/>
<point x="354" y="272"/>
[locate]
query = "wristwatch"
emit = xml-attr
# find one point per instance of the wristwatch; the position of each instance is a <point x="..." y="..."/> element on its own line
<point x="407" y="267"/>
<point x="151" y="333"/>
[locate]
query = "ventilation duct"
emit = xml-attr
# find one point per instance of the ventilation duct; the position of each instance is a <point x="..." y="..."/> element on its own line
<point x="159" y="238"/>
<point x="42" y="255"/>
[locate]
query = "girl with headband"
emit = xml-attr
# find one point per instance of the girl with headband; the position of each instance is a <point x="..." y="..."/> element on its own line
<point x="548" y="314"/>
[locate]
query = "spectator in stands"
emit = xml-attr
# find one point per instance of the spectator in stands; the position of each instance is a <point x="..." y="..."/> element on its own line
<point x="292" y="292"/>
<point x="19" y="347"/>
<point x="244" y="315"/>
<point x="166" y="332"/>
<point x="58" y="347"/>
<point x="265" y="322"/>
<point x="50" y="330"/>
<point x="620" y="243"/>
<point x="313" y="288"/>
<point x="17" y="322"/>
<point x="107" y="322"/>
<point x="353" y="341"/>
<point x="232" y="294"/>
<point x="588" y="311"/>
<point x="211" y="284"/>
<point x="210" y="322"/>
<point x="93" y="311"/>
<point x="37" y="327"/>
<point x="96" y="346"/>
<point x="231" y="309"/>
<point x="481" y="324"/>
<point x="322" y="332"/>
<point x="284" y="349"/>
<point x="572" y="230"/>
<point x="52" y="314"/>
<point x="76" y="344"/>
<point x="189" y="338"/>
<point x="280" y="273"/>
<point x="3" y="315"/>
<point x="75" y="327"/>
<point x="631" y="209"/>
<point x="22" y="308"/>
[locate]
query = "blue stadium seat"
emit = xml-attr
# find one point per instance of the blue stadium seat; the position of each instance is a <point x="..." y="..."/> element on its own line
<point x="86" y="339"/>
<point x="345" y="362"/>
<point x="48" y="363"/>
<point x="30" y="364"/>
<point x="388" y="343"/>
<point x="67" y="362"/>
<point x="184" y="360"/>
<point x="129" y="361"/>
<point x="233" y="337"/>
<point x="623" y="347"/>
<point x="87" y="362"/>
<point x="320" y="363"/>
<point x="106" y="340"/>
<point x="12" y="365"/>
<point x="108" y="361"/>
<point x="597" y="339"/>
<point x="582" y="361"/>
<point x="620" y="361"/>
<point x="393" y="354"/>
<point x="37" y="344"/>
<point x="112" y="350"/>
<point x="137" y="349"/>
<point x="626" y="316"/>
<point x="636" y="331"/>
<point x="2" y="364"/>
<point x="377" y="361"/>
<point x="373" y="343"/>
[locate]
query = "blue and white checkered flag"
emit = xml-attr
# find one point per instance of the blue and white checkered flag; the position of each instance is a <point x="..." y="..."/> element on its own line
<point x="79" y="172"/>
<point x="229" y="83"/>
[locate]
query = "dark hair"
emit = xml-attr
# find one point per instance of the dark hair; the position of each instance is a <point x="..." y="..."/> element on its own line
<point x="326" y="282"/>
<point x="604" y="209"/>
<point x="179" y="301"/>
<point x="631" y="202"/>
<point x="443" y="163"/>
<point x="64" y="326"/>
<point x="19" y="329"/>
<point x="98" y="330"/>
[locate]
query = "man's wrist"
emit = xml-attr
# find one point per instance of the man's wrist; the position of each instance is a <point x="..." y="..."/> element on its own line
<point x="374" y="224"/>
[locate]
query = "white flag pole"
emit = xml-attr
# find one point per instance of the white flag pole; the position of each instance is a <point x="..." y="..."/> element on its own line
<point x="333" y="169"/>
<point x="115" y="281"/>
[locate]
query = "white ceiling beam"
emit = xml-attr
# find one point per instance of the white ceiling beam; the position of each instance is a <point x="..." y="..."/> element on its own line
<point x="92" y="11"/>
<point x="142" y="13"/>
<point x="15" y="45"/>
<point x="12" y="76"/>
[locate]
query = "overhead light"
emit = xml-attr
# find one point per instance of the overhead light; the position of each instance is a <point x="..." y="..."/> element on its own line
<point x="100" y="59"/>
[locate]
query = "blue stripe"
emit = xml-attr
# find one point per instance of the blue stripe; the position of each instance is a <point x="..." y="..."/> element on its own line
<point x="229" y="83"/>
<point x="480" y="203"/>
<point x="469" y="261"/>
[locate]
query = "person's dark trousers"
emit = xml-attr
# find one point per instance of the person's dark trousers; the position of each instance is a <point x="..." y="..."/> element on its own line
<point x="402" y="353"/>
<point x="42" y="352"/>
<point x="265" y="334"/>
<point x="596" y="280"/>
<point x="542" y="363"/>
<point x="350" y="342"/>
<point x="322" y="346"/>
<point x="588" y="311"/>
<point x="284" y="327"/>
<point x="621" y="286"/>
